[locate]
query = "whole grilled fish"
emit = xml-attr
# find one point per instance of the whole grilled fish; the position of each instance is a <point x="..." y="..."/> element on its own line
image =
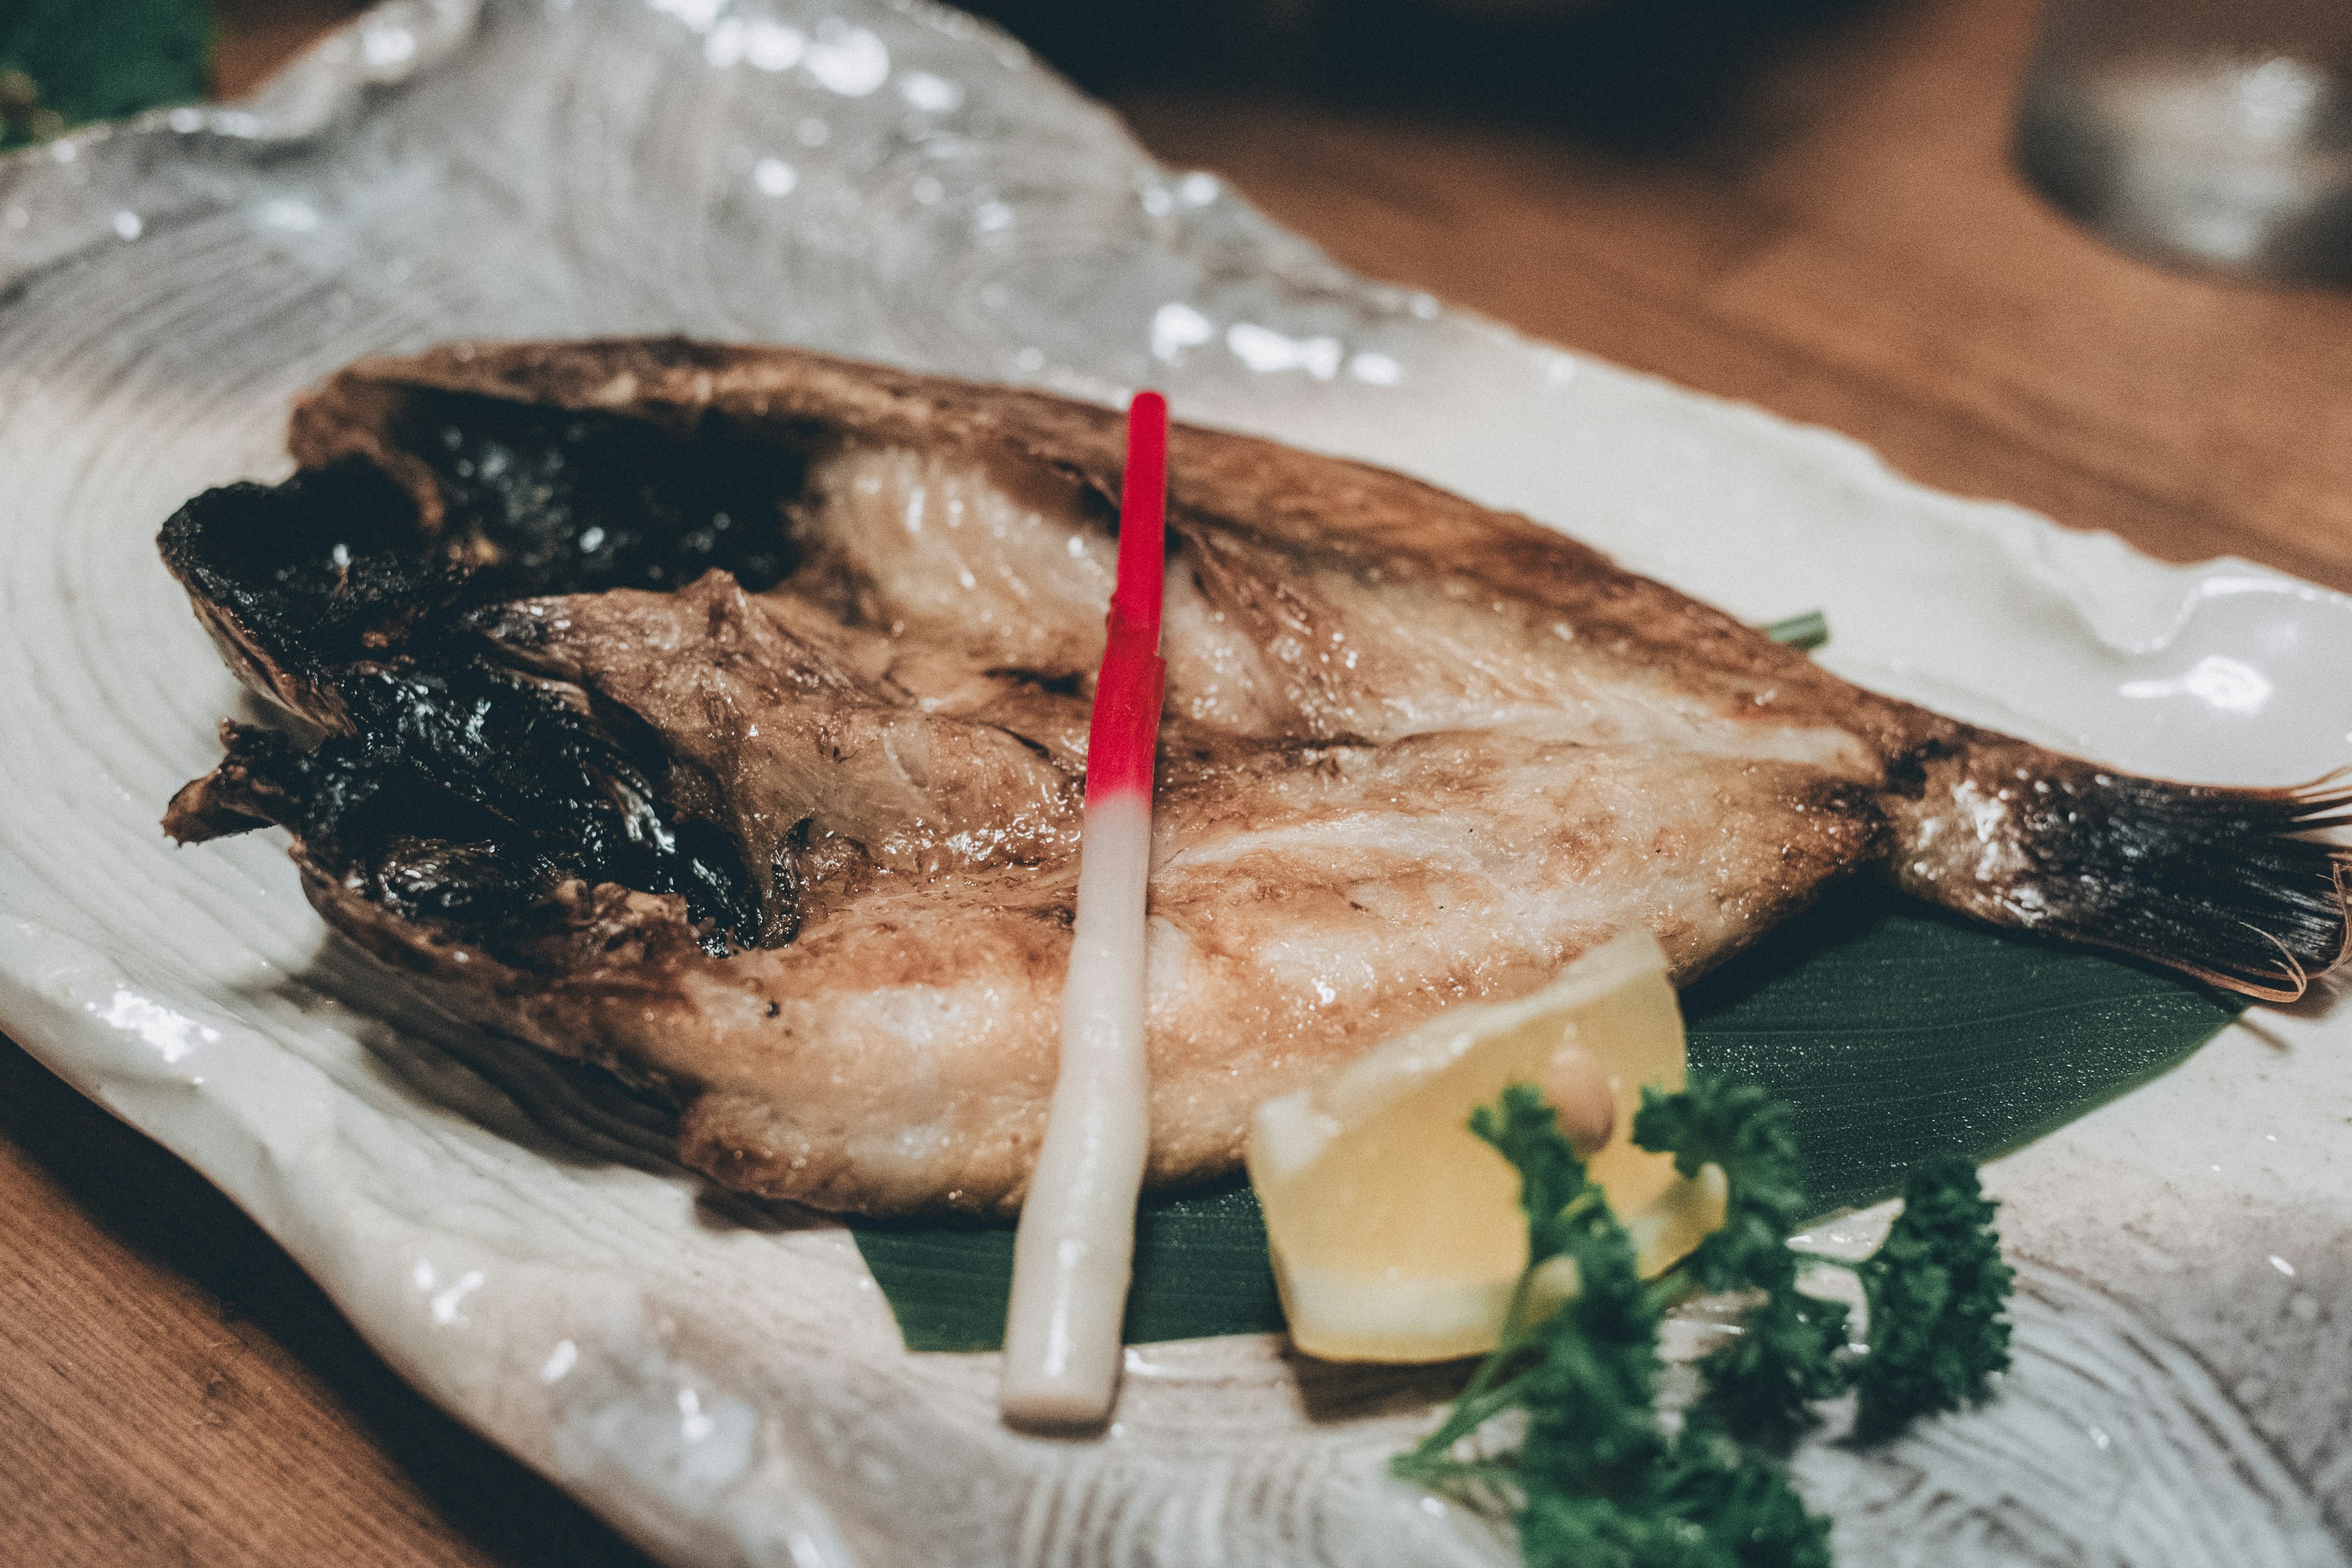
<point x="718" y="715"/>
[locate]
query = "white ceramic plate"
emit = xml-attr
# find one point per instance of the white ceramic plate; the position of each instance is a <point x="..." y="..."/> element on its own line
<point x="900" y="183"/>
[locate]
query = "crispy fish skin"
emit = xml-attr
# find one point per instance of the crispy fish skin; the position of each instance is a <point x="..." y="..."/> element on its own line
<point x="718" y="715"/>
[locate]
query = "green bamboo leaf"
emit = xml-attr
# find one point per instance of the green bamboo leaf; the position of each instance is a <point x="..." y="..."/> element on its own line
<point x="1200" y="1269"/>
<point x="63" y="62"/>
<point x="1894" y="1031"/>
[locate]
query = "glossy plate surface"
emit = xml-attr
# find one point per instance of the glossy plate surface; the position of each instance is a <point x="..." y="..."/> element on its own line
<point x="899" y="183"/>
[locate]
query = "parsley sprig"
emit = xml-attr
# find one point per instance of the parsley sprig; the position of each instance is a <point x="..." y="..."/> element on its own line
<point x="1597" y="1480"/>
<point x="1760" y="1385"/>
<point x="1935" y="1289"/>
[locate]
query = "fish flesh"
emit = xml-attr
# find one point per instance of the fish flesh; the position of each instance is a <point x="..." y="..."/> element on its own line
<point x="718" y="715"/>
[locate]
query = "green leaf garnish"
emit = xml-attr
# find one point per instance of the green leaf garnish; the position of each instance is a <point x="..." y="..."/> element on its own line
<point x="1526" y="1131"/>
<point x="1763" y="1383"/>
<point x="63" y="62"/>
<point x="1597" y="1480"/>
<point x="1937" y="1288"/>
<point x="1808" y="631"/>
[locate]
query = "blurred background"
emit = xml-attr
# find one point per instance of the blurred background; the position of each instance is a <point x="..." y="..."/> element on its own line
<point x="1628" y="73"/>
<point x="2204" y="133"/>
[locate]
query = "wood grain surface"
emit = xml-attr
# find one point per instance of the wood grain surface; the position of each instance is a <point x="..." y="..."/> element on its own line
<point x="1854" y="250"/>
<point x="1850" y="248"/>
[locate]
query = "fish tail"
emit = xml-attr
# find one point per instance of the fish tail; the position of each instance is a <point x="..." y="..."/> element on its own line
<point x="2237" y="887"/>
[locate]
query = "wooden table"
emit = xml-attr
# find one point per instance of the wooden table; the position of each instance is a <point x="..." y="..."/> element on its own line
<point x="1852" y="250"/>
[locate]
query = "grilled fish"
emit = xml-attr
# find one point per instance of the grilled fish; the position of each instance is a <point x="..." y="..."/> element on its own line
<point x="718" y="715"/>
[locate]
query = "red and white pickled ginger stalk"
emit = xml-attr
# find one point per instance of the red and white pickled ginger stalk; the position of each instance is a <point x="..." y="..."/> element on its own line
<point x="1075" y="1251"/>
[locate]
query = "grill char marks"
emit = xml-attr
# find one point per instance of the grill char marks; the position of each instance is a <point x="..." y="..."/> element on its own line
<point x="797" y="755"/>
<point x="2235" y="886"/>
<point x="503" y="764"/>
<point x="779" y="817"/>
<point x="537" y="500"/>
<point x="397" y="836"/>
<point x="298" y="581"/>
<point x="353" y="604"/>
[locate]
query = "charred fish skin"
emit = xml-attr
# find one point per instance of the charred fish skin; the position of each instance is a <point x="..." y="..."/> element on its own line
<point x="2229" y="884"/>
<point x="719" y="714"/>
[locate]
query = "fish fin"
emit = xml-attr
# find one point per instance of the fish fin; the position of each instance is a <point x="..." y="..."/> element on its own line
<point x="2240" y="888"/>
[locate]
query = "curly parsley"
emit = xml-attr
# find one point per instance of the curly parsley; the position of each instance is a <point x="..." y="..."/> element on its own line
<point x="1760" y="1387"/>
<point x="1937" y="1288"/>
<point x="1598" y="1480"/>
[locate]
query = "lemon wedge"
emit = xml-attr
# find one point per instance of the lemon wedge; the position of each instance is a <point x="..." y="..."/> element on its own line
<point x="1396" y="1231"/>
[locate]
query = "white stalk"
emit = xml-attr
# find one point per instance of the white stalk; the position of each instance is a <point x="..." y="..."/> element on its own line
<point x="1073" y="1253"/>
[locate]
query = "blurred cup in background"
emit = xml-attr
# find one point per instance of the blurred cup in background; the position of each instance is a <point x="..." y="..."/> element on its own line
<point x="2210" y="134"/>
